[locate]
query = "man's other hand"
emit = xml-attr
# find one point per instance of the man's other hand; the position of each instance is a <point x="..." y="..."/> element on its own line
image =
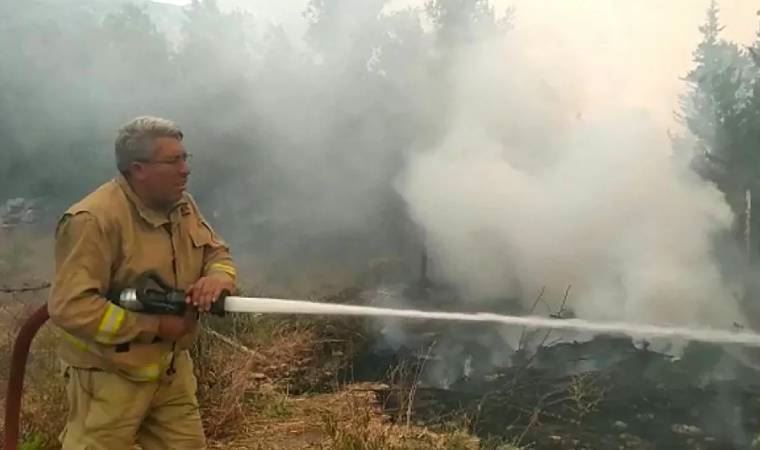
<point x="206" y="291"/>
<point x="172" y="328"/>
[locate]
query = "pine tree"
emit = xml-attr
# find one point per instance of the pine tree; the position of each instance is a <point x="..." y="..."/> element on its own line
<point x="713" y="109"/>
<point x="345" y="32"/>
<point x="463" y="22"/>
<point x="698" y="105"/>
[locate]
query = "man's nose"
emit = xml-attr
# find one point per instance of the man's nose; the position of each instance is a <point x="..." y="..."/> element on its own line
<point x="184" y="168"/>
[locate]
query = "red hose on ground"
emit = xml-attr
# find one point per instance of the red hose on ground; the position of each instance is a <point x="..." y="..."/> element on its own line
<point x="16" y="376"/>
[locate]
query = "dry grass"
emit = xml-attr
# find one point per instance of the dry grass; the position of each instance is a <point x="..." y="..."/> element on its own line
<point x="24" y="261"/>
<point x="43" y="405"/>
<point x="245" y="393"/>
<point x="364" y="428"/>
<point x="278" y="389"/>
<point x="349" y="419"/>
<point x="256" y="369"/>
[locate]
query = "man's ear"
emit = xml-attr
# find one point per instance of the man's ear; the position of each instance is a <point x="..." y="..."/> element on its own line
<point x="137" y="170"/>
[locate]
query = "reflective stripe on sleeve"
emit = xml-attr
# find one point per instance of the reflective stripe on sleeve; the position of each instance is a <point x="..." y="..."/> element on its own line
<point x="226" y="268"/>
<point x="110" y="324"/>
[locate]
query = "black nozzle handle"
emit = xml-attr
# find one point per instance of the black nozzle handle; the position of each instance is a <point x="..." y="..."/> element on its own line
<point x="152" y="295"/>
<point x="218" y="307"/>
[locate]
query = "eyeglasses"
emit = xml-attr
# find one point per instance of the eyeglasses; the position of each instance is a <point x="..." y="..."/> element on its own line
<point x="185" y="157"/>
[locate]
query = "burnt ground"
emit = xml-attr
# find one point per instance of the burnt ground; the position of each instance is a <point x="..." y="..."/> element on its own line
<point x="640" y="400"/>
<point x="603" y="393"/>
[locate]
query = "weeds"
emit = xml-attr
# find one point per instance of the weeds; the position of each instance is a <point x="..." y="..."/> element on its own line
<point x="34" y="441"/>
<point x="223" y="381"/>
<point x="356" y="434"/>
<point x="270" y="403"/>
<point x="585" y="394"/>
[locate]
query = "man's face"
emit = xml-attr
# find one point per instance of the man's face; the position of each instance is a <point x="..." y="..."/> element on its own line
<point x="163" y="178"/>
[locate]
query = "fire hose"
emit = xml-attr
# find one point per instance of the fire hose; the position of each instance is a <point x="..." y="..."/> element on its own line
<point x="151" y="296"/>
<point x="16" y="376"/>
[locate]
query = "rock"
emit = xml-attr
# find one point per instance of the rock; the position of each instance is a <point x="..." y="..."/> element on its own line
<point x="17" y="211"/>
<point x="688" y="430"/>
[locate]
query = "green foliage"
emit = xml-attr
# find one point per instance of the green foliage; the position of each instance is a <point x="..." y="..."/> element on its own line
<point x="720" y="110"/>
<point x="33" y="441"/>
<point x="464" y="22"/>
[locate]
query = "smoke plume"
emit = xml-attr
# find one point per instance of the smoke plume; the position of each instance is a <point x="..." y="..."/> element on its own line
<point x="524" y="192"/>
<point x="298" y="140"/>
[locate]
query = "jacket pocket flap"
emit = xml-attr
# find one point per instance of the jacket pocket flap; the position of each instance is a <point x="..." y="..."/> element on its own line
<point x="200" y="235"/>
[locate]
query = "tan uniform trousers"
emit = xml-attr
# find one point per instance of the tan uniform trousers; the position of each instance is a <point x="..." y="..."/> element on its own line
<point x="110" y="412"/>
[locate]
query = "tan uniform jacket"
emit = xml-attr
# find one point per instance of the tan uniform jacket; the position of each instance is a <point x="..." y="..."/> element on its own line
<point x="104" y="243"/>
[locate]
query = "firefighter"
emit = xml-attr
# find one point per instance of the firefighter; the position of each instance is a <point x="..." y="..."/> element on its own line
<point x="129" y="375"/>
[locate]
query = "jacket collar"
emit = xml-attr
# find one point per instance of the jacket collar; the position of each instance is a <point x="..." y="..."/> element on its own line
<point x="152" y="216"/>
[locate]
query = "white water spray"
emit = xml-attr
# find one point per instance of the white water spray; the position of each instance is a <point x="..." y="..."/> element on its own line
<point x="279" y="306"/>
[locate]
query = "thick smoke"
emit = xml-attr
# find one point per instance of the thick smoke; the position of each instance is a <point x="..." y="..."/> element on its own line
<point x="295" y="136"/>
<point x="298" y="139"/>
<point x="524" y="192"/>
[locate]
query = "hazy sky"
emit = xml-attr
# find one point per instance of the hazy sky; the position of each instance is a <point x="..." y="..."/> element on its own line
<point x="629" y="53"/>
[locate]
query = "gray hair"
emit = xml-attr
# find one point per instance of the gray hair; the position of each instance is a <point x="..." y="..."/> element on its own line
<point x="134" y="141"/>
